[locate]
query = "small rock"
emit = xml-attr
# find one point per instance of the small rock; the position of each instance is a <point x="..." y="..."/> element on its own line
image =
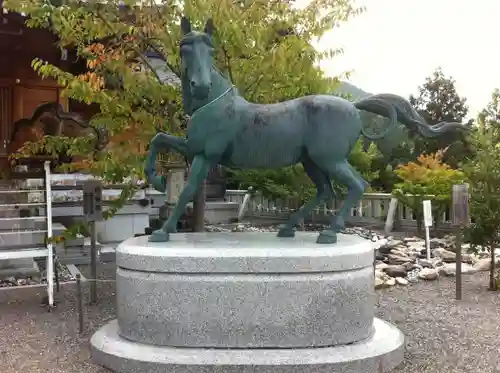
<point x="437" y="262"/>
<point x="391" y="282"/>
<point x="398" y="253"/>
<point x="426" y="263"/>
<point x="428" y="274"/>
<point x="397" y="259"/>
<point x="468" y="258"/>
<point x="390" y="244"/>
<point x="446" y="255"/>
<point x="449" y="269"/>
<point x="466" y="247"/>
<point x="380" y="243"/>
<point x="384" y="249"/>
<point x="381" y="266"/>
<point x="413" y="276"/>
<point x="379" y="283"/>
<point x="417" y="267"/>
<point x="483" y="265"/>
<point x="416" y="246"/>
<point x="401" y="281"/>
<point x="410" y="239"/>
<point x="239" y="228"/>
<point x="395" y="271"/>
<point x="380" y="274"/>
<point x="11" y="280"/>
<point x="437" y="242"/>
<point x="408" y="266"/>
<point x="21" y="281"/>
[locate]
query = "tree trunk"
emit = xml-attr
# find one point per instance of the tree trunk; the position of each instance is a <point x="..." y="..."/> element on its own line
<point x="493" y="281"/>
<point x="199" y="209"/>
<point x="420" y="225"/>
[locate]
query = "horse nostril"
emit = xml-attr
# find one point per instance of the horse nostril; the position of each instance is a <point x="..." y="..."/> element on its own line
<point x="193" y="84"/>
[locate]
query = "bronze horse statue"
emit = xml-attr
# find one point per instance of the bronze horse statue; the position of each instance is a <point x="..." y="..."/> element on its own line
<point x="318" y="131"/>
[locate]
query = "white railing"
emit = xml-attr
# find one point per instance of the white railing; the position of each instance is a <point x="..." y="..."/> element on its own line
<point x="20" y="236"/>
<point x="372" y="210"/>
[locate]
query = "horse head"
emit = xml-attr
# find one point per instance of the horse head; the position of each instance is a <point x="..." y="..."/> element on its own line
<point x="196" y="51"/>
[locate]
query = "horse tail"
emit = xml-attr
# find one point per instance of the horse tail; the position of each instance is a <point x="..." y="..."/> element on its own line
<point x="398" y="109"/>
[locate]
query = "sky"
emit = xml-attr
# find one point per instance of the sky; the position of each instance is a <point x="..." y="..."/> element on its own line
<point x="395" y="44"/>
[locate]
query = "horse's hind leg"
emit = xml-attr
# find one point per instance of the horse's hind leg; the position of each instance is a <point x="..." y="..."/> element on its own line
<point x="324" y="191"/>
<point x="344" y="173"/>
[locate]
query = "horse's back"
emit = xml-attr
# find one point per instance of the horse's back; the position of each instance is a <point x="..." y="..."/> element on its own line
<point x="333" y="126"/>
<point x="281" y="134"/>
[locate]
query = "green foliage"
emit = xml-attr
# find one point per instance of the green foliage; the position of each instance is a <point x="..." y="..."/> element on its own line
<point x="292" y="182"/>
<point x="439" y="101"/>
<point x="287" y="183"/>
<point x="489" y="118"/>
<point x="483" y="172"/>
<point x="427" y="178"/>
<point x="263" y="46"/>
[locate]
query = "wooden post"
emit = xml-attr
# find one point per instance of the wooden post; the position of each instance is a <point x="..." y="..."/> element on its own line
<point x="460" y="219"/>
<point x="199" y="209"/>
<point x="92" y="212"/>
<point x="79" y="302"/>
<point x="93" y="263"/>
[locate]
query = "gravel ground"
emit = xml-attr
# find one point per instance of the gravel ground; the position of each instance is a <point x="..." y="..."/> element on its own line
<point x="442" y="335"/>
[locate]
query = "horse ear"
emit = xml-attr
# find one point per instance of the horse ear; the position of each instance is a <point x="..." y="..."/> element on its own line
<point x="185" y="25"/>
<point x="209" y="27"/>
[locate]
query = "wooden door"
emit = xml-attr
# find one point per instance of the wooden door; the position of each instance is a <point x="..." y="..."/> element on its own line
<point x="32" y="97"/>
<point x="5" y="118"/>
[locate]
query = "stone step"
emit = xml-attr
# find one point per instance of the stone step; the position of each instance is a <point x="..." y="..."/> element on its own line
<point x="25" y="267"/>
<point x="28" y="237"/>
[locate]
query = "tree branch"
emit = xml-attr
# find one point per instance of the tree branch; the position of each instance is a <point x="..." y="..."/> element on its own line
<point x="134" y="48"/>
<point x="228" y="63"/>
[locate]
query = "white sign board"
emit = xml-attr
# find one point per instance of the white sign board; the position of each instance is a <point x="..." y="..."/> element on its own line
<point x="427" y="224"/>
<point x="427" y="213"/>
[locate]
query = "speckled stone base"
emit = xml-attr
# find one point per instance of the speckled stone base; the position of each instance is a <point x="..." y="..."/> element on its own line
<point x="380" y="353"/>
<point x="246" y="302"/>
<point x="245" y="290"/>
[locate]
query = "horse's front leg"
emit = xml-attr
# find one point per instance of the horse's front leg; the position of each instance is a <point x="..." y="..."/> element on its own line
<point x="169" y="142"/>
<point x="199" y="171"/>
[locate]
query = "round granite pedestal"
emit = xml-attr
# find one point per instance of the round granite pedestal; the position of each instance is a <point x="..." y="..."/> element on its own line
<point x="217" y="302"/>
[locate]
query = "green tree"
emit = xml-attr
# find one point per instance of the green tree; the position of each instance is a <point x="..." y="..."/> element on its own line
<point x="438" y="100"/>
<point x="483" y="172"/>
<point x="263" y="46"/>
<point x="489" y="117"/>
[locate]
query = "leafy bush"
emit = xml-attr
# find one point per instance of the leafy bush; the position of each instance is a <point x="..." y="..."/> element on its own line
<point x="483" y="172"/>
<point x="293" y="183"/>
<point x="427" y="178"/>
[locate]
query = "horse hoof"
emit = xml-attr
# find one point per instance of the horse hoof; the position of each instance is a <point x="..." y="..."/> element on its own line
<point x="286" y="232"/>
<point x="327" y="237"/>
<point x="159" y="236"/>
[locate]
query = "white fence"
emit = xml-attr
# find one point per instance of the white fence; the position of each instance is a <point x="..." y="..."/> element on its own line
<point x="372" y="210"/>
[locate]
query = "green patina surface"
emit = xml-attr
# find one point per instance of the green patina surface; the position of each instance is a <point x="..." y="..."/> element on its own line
<point x="318" y="131"/>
